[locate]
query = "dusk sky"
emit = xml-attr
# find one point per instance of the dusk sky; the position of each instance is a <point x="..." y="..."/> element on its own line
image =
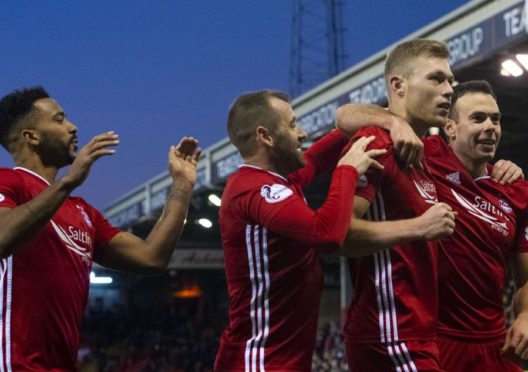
<point x="154" y="71"/>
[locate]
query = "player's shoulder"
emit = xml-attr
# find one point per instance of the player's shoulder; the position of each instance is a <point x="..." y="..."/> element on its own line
<point x="435" y="145"/>
<point x="373" y="131"/>
<point x="382" y="139"/>
<point x="248" y="177"/>
<point x="84" y="206"/>
<point x="250" y="180"/>
<point x="8" y="175"/>
<point x="8" y="172"/>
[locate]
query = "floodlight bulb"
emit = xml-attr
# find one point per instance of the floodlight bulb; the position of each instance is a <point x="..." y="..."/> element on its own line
<point x="513" y="68"/>
<point x="205" y="223"/>
<point x="100" y="279"/>
<point x="215" y="200"/>
<point x="523" y="60"/>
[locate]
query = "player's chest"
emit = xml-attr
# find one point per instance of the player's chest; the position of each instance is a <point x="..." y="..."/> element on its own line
<point x="72" y="230"/>
<point x="411" y="190"/>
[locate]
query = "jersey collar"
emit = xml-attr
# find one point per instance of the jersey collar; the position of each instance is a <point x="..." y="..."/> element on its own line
<point x="33" y="173"/>
<point x="262" y="169"/>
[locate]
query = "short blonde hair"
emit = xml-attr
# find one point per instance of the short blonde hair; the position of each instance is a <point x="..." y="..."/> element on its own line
<point x="400" y="58"/>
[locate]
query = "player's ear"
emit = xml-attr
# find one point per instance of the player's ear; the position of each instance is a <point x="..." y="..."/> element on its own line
<point x="450" y="130"/>
<point x="30" y="136"/>
<point x="397" y="85"/>
<point x="263" y="136"/>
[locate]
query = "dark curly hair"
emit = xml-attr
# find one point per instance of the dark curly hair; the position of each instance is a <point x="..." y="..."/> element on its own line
<point x="15" y="107"/>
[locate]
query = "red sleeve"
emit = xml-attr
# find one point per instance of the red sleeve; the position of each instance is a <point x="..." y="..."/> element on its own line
<point x="321" y="157"/>
<point x="369" y="184"/>
<point x="286" y="213"/>
<point x="10" y="190"/>
<point x="104" y="231"/>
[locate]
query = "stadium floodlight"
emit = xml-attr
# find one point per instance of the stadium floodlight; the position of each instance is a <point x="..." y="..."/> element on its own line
<point x="205" y="223"/>
<point x="513" y="68"/>
<point x="215" y="200"/>
<point x="100" y="279"/>
<point x="523" y="60"/>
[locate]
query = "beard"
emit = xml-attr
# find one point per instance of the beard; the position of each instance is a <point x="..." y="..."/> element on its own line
<point x="53" y="152"/>
<point x="285" y="156"/>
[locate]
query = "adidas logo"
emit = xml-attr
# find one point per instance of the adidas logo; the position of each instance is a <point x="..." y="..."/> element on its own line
<point x="454" y="177"/>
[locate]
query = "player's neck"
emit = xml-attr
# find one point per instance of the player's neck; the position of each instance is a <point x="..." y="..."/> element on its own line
<point x="420" y="128"/>
<point x="34" y="164"/>
<point x="264" y="162"/>
<point x="475" y="168"/>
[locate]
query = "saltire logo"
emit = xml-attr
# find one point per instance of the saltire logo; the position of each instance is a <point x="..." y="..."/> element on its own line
<point x="70" y="243"/>
<point x="473" y="210"/>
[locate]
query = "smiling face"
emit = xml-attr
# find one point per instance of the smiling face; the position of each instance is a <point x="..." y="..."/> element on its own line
<point x="475" y="133"/>
<point x="57" y="136"/>
<point x="427" y="92"/>
<point x="286" y="154"/>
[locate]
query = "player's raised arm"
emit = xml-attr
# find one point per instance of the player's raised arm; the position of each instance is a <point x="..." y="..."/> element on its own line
<point x="151" y="256"/>
<point x="352" y="117"/>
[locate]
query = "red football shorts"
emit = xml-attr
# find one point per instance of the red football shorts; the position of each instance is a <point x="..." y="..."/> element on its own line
<point x="404" y="356"/>
<point x="457" y="356"/>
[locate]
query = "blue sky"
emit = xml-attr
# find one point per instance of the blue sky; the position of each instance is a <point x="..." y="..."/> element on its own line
<point x="154" y="71"/>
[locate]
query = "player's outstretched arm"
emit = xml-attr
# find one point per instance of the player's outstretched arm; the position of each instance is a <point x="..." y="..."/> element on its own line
<point x="516" y="343"/>
<point x="151" y="256"/>
<point x="352" y="117"/>
<point x="367" y="237"/>
<point x="506" y="172"/>
<point x="21" y="224"/>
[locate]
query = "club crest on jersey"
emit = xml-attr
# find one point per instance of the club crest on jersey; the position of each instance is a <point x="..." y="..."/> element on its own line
<point x="454" y="177"/>
<point x="2" y="198"/>
<point x="85" y="216"/>
<point x="479" y="209"/>
<point x="505" y="206"/>
<point x="275" y="193"/>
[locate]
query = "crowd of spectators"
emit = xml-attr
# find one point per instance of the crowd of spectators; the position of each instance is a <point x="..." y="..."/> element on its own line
<point x="181" y="335"/>
<point x="174" y="338"/>
<point x="178" y="337"/>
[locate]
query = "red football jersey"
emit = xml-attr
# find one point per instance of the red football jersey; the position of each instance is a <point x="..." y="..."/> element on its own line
<point x="44" y="287"/>
<point x="394" y="290"/>
<point x="490" y="226"/>
<point x="270" y="239"/>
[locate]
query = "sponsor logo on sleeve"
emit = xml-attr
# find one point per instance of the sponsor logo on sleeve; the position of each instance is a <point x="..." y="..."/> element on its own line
<point x="275" y="193"/>
<point x="2" y="197"/>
